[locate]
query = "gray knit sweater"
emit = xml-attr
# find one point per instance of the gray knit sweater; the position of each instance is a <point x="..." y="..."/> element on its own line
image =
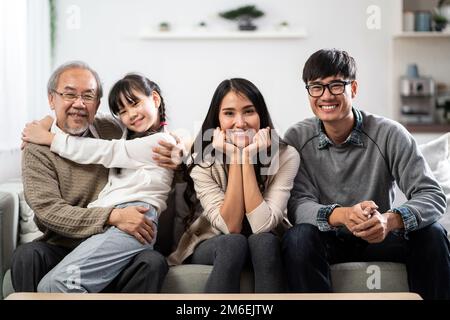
<point x="378" y="153"/>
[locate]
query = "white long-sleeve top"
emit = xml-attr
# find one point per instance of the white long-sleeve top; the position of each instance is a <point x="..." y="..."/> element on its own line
<point x="140" y="179"/>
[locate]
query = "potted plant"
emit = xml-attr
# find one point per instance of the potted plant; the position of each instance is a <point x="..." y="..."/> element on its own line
<point x="444" y="9"/>
<point x="440" y="21"/>
<point x="244" y="15"/>
<point x="164" y="26"/>
<point x="283" y="26"/>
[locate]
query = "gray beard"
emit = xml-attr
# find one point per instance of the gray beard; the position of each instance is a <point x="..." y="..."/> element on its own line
<point x="76" y="132"/>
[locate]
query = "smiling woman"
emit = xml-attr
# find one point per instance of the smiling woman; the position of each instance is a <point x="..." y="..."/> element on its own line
<point x="239" y="119"/>
<point x="243" y="204"/>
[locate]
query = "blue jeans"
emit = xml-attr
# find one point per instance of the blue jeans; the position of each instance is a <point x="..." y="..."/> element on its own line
<point x="92" y="265"/>
<point x="308" y="253"/>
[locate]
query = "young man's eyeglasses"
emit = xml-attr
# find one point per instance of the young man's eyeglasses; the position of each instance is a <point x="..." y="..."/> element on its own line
<point x="336" y="87"/>
<point x="87" y="98"/>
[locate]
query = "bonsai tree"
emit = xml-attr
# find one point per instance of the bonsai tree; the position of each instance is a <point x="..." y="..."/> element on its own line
<point x="244" y="15"/>
<point x="164" y="26"/>
<point x="440" y="21"/>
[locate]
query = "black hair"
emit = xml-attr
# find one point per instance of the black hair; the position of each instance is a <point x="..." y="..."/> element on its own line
<point x="249" y="90"/>
<point x="126" y="88"/>
<point x="329" y="62"/>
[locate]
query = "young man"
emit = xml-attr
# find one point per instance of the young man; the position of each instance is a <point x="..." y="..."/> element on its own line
<point x="341" y="203"/>
<point x="59" y="190"/>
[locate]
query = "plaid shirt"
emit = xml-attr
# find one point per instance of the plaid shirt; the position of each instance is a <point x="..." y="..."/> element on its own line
<point x="353" y="138"/>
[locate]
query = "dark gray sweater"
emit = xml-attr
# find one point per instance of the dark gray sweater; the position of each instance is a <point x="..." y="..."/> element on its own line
<point x="349" y="173"/>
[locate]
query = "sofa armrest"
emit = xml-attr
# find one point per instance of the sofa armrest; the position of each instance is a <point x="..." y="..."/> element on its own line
<point x="9" y="222"/>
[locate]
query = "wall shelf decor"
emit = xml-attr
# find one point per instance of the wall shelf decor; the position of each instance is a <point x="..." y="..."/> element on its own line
<point x="431" y="34"/>
<point x="223" y="35"/>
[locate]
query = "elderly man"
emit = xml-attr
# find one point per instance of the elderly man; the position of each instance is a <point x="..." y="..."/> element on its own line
<point x="59" y="190"/>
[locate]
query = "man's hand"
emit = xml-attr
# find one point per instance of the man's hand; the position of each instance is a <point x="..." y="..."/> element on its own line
<point x="169" y="155"/>
<point x="352" y="216"/>
<point x="133" y="221"/>
<point x="35" y="132"/>
<point x="378" y="226"/>
<point x="373" y="230"/>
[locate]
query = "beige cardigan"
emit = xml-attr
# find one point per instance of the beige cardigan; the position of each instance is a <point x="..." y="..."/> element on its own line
<point x="210" y="185"/>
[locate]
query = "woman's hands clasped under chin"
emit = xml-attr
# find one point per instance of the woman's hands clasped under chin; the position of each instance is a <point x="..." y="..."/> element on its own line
<point x="261" y="141"/>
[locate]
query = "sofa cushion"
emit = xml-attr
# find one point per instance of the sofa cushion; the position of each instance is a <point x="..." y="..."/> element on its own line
<point x="186" y="278"/>
<point x="8" y="237"/>
<point x="182" y="211"/>
<point x="7" y="287"/>
<point x="164" y="238"/>
<point x="28" y="229"/>
<point x="437" y="155"/>
<point x="369" y="277"/>
<point x="437" y="151"/>
<point x="9" y="224"/>
<point x="345" y="277"/>
<point x="191" y="278"/>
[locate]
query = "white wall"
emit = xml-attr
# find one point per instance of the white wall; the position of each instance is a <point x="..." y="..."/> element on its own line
<point x="10" y="164"/>
<point x="189" y="71"/>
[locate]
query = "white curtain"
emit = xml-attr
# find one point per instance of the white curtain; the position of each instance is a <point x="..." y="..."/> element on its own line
<point x="24" y="70"/>
<point x="13" y="81"/>
<point x="38" y="58"/>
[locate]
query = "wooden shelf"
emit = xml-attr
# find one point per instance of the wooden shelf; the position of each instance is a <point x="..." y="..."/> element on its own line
<point x="223" y="35"/>
<point x="428" y="128"/>
<point x="416" y="35"/>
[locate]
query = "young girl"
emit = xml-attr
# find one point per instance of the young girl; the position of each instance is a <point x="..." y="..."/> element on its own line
<point x="140" y="182"/>
<point x="244" y="209"/>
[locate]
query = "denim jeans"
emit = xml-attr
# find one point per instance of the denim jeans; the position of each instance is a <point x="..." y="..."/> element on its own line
<point x="308" y="253"/>
<point x="229" y="253"/>
<point x="92" y="265"/>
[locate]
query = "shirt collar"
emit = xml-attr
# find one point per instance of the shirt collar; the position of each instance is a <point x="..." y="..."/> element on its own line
<point x="91" y="131"/>
<point x="354" y="138"/>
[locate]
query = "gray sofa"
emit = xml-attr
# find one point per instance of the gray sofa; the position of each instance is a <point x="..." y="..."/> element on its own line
<point x="17" y="227"/>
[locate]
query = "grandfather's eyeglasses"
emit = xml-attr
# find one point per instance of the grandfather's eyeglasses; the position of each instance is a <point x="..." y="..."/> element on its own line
<point x="88" y="98"/>
<point x="336" y="87"/>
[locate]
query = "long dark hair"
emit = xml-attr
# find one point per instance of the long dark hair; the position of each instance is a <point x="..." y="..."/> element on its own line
<point x="240" y="86"/>
<point x="125" y="88"/>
